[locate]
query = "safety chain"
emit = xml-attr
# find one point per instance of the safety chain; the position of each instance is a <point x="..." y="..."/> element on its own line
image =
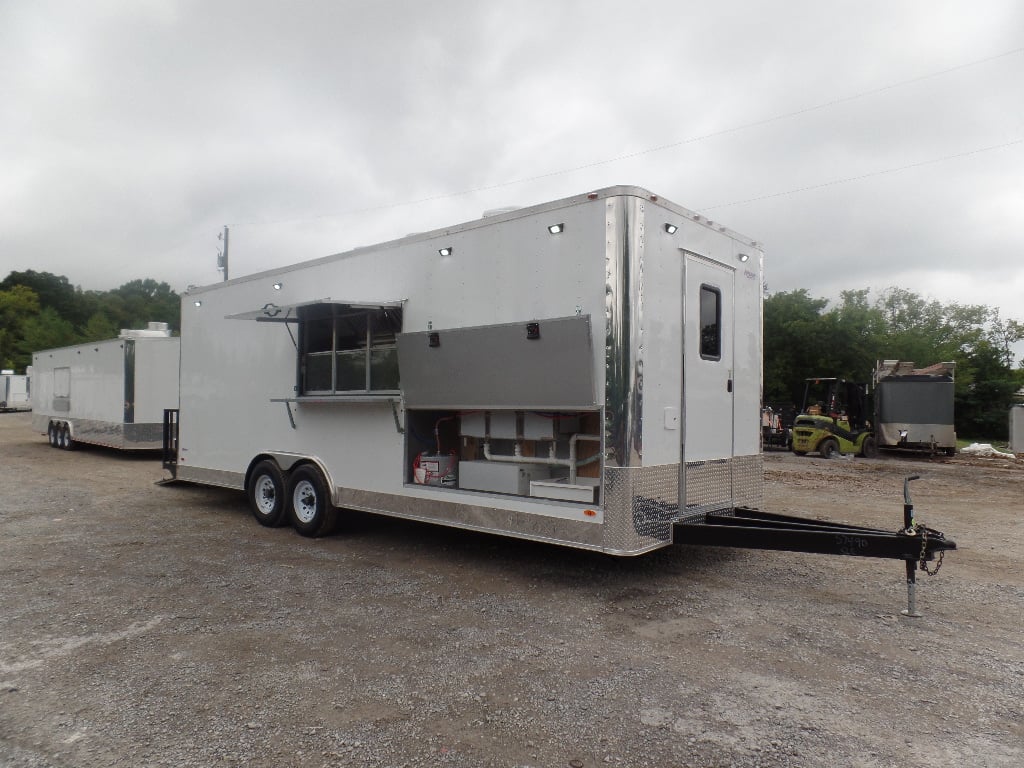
<point x="924" y="551"/>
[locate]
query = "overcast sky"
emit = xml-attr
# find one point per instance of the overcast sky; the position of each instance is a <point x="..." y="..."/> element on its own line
<point x="866" y="144"/>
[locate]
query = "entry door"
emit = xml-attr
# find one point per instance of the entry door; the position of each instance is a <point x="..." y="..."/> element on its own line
<point x="708" y="328"/>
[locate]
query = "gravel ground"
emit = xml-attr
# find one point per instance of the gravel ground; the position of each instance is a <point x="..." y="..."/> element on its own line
<point x="145" y="625"/>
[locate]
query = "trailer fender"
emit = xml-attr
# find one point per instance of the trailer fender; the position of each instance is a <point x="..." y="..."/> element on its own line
<point x="288" y="462"/>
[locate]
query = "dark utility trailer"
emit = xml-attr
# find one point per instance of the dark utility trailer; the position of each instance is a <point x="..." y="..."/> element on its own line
<point x="914" y="407"/>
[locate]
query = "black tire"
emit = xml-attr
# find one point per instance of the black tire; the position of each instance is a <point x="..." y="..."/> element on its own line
<point x="64" y="438"/>
<point x="869" y="448"/>
<point x="51" y="434"/>
<point x="309" y="504"/>
<point x="829" y="447"/>
<point x="266" y="492"/>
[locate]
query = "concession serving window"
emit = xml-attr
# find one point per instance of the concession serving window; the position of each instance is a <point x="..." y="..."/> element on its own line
<point x="343" y="348"/>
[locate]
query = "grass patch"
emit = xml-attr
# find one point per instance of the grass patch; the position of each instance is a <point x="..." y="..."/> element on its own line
<point x="963" y="442"/>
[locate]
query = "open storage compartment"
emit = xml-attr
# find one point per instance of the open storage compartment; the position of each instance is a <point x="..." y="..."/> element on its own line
<point x="552" y="455"/>
<point x="506" y="409"/>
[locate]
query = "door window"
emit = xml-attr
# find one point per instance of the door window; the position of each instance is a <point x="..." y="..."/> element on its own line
<point x="710" y="323"/>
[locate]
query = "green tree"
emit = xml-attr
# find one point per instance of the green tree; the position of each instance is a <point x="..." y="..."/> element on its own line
<point x="983" y="403"/>
<point x="45" y="331"/>
<point x="793" y="341"/>
<point x="144" y="301"/>
<point x="55" y="292"/>
<point x="40" y="310"/>
<point x="100" y="327"/>
<point x="17" y="304"/>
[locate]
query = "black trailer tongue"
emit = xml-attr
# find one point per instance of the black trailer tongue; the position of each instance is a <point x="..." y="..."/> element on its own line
<point x="747" y="528"/>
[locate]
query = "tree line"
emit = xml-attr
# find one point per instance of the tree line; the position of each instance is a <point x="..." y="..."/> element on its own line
<point x="39" y="310"/>
<point x="803" y="337"/>
<point x="806" y="337"/>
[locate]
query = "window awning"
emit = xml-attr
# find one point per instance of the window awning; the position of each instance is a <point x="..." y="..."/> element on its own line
<point x="288" y="313"/>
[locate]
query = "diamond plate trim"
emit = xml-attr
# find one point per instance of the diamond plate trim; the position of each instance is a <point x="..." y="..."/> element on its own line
<point x="642" y="503"/>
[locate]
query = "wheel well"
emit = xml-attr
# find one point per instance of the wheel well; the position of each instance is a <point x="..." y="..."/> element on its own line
<point x="287" y="462"/>
<point x="252" y="465"/>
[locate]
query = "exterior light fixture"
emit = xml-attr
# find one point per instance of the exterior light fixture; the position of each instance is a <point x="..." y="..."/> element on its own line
<point x="446" y="251"/>
<point x="744" y="257"/>
<point x="671" y="228"/>
<point x="556" y="229"/>
<point x="198" y="303"/>
<point x="277" y="286"/>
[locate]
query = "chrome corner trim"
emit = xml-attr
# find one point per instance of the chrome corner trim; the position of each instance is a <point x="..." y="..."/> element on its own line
<point x="624" y="256"/>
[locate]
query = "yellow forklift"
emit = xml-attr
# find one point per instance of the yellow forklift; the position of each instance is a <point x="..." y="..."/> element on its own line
<point x="833" y="420"/>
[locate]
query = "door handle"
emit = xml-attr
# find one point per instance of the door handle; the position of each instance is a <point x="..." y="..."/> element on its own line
<point x="728" y="385"/>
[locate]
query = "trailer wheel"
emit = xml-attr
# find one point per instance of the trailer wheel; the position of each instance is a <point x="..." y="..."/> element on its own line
<point x="869" y="448"/>
<point x="309" y="506"/>
<point x="267" y="495"/>
<point x="64" y="439"/>
<point x="829" y="447"/>
<point x="51" y="434"/>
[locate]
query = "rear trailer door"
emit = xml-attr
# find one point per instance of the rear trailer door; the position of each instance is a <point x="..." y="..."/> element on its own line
<point x="708" y="332"/>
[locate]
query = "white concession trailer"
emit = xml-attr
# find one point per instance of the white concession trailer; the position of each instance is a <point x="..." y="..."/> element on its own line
<point x="585" y="372"/>
<point x="112" y="392"/>
<point x="15" y="390"/>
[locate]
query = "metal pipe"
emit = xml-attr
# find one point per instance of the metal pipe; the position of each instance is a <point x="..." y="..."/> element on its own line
<point x="520" y="459"/>
<point x="551" y="460"/>
<point x="911" y="611"/>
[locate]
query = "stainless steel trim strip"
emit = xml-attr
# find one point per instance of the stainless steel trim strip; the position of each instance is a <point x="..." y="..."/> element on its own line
<point x="144" y="436"/>
<point x="219" y="477"/>
<point x="522" y="525"/>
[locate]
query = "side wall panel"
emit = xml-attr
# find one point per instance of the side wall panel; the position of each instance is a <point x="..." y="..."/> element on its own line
<point x="156" y="378"/>
<point x="506" y="270"/>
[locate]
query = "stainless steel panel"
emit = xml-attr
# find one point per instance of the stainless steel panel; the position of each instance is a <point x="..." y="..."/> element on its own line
<point x="496" y="366"/>
<point x="141" y="437"/>
<point x="748" y="481"/>
<point x="723" y="484"/>
<point x="218" y="477"/>
<point x="459" y="514"/>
